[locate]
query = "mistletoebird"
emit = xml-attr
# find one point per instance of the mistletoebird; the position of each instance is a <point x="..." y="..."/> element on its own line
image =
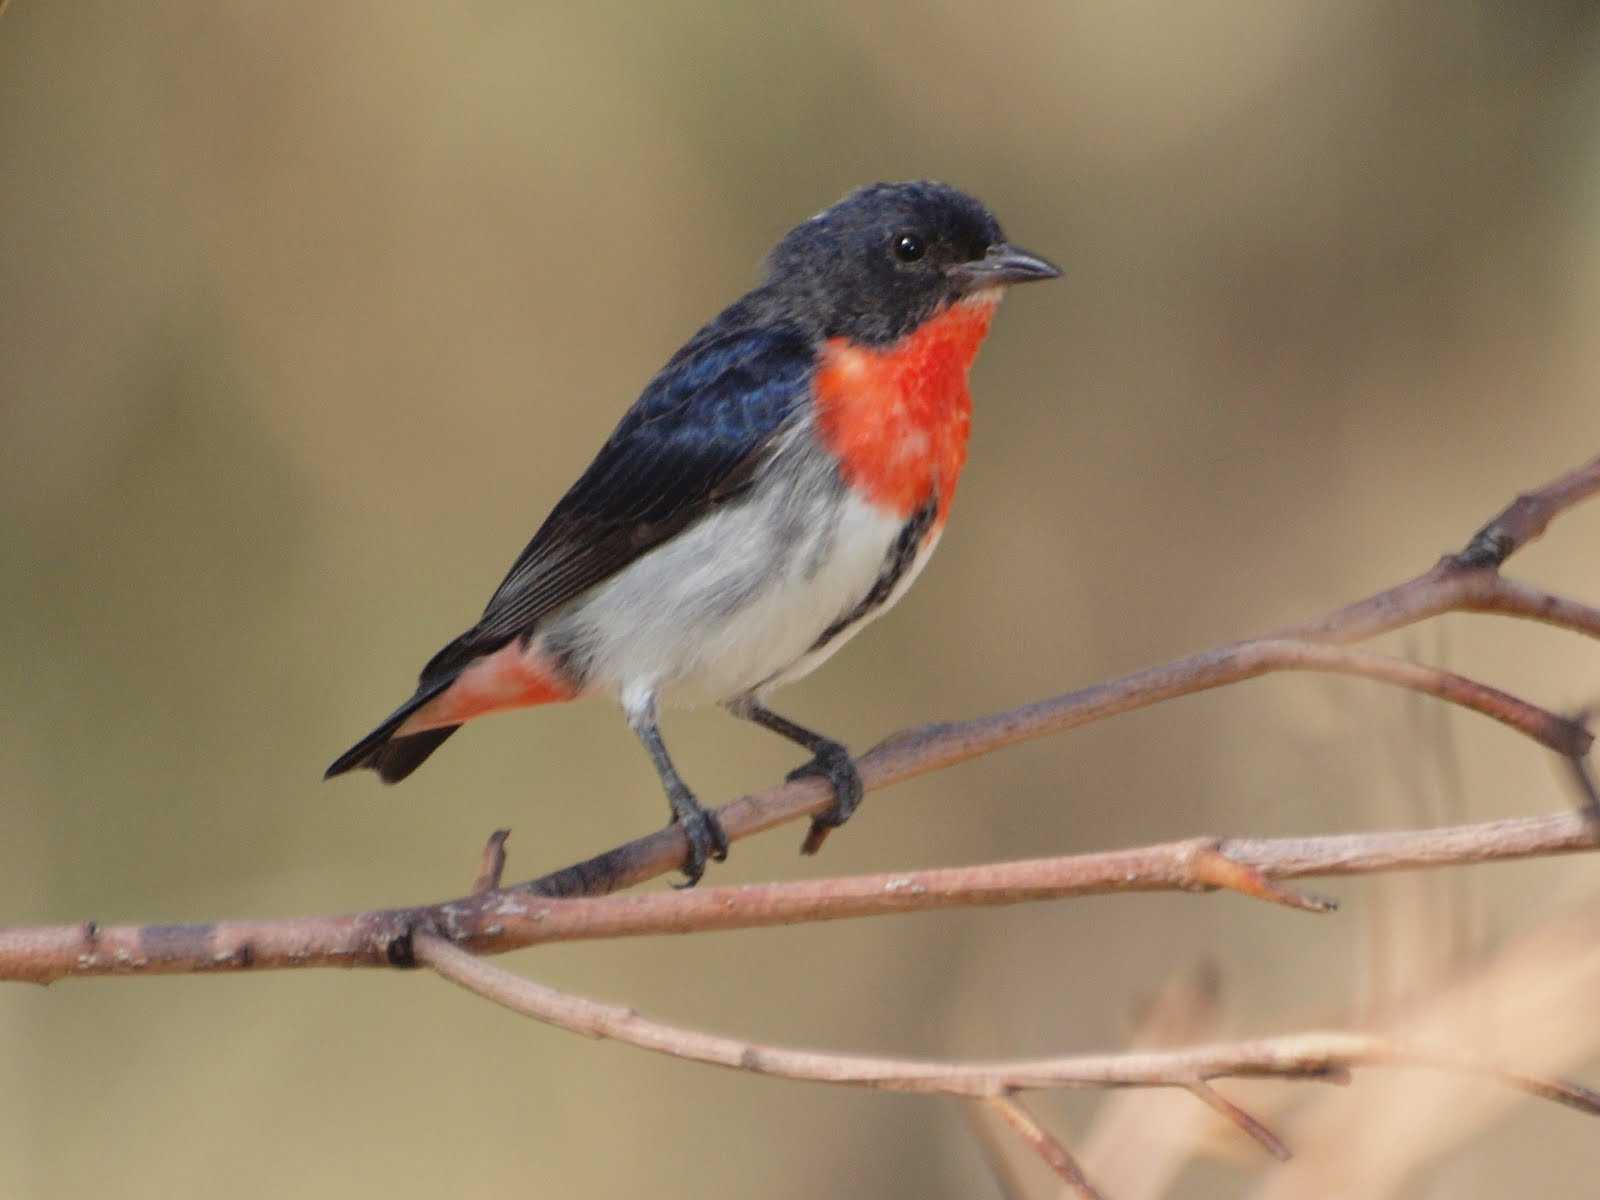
<point x="779" y="483"/>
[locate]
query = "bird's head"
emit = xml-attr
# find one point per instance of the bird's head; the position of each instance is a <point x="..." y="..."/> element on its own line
<point x="886" y="258"/>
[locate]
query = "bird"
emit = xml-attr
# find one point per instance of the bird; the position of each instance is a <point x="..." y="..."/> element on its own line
<point x="777" y="485"/>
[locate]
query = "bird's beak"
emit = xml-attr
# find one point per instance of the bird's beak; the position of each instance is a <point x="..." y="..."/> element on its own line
<point x="1003" y="265"/>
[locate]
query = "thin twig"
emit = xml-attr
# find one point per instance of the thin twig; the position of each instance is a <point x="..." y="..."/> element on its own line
<point x="1043" y="1143"/>
<point x="1006" y="1176"/>
<point x="492" y="863"/>
<point x="1513" y="599"/>
<point x="1293" y="1056"/>
<point x="1258" y="1131"/>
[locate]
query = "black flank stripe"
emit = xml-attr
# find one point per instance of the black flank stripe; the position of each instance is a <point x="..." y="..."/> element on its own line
<point x="900" y="557"/>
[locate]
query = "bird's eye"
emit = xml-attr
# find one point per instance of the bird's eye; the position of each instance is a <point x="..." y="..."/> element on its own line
<point x="909" y="248"/>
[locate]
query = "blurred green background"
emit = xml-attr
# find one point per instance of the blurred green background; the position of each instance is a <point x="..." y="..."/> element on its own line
<point x="308" y="313"/>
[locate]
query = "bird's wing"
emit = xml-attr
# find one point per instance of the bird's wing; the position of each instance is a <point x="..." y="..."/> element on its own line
<point x="690" y="442"/>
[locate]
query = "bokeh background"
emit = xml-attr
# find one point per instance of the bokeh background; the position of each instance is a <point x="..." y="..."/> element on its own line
<point x="309" y="312"/>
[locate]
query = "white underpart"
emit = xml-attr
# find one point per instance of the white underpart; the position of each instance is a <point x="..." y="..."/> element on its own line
<point x="734" y="604"/>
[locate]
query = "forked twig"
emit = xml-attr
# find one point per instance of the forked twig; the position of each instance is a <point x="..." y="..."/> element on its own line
<point x="1257" y="1131"/>
<point x="1316" y="1056"/>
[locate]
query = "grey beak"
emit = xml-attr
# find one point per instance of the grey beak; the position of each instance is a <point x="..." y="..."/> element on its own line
<point x="1001" y="266"/>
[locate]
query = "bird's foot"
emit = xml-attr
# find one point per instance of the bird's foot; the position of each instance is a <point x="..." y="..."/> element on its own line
<point x="833" y="763"/>
<point x="707" y="838"/>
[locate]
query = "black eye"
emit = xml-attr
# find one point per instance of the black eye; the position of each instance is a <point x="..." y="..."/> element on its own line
<point x="909" y="248"/>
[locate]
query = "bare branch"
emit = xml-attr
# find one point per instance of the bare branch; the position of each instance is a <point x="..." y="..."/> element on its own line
<point x="1006" y="1176"/>
<point x="1527" y="517"/>
<point x="513" y="918"/>
<point x="492" y="864"/>
<point x="1315" y="1056"/>
<point x="1512" y="599"/>
<point x="1258" y="1132"/>
<point x="1326" y="1056"/>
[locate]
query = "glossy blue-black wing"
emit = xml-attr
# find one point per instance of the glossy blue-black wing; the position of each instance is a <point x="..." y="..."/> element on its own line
<point x="691" y="442"/>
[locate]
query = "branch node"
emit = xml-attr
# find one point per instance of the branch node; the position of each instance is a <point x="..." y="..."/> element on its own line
<point x="401" y="951"/>
<point x="1212" y="868"/>
<point x="1488" y="548"/>
<point x="1336" y="1074"/>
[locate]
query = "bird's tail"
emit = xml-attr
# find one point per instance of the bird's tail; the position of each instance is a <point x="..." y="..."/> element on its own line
<point x="393" y="758"/>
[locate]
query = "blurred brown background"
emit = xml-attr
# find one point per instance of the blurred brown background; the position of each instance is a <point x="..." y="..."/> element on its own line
<point x="309" y="312"/>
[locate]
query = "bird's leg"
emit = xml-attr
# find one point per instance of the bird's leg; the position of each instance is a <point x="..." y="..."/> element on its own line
<point x="831" y="760"/>
<point x="705" y="833"/>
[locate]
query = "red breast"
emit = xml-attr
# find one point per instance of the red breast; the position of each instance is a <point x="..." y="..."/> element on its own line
<point x="898" y="416"/>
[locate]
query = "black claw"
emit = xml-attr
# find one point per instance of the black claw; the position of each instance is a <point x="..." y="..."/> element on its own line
<point x="707" y="838"/>
<point x="833" y="763"/>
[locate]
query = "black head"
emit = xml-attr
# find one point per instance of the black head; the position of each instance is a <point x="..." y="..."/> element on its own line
<point x="887" y="257"/>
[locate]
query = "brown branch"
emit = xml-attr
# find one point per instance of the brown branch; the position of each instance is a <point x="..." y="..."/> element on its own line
<point x="1527" y="517"/>
<point x="1294" y="1056"/>
<point x="1325" y="1056"/>
<point x="509" y="919"/>
<point x="1318" y="1055"/>
<point x="1512" y="599"/>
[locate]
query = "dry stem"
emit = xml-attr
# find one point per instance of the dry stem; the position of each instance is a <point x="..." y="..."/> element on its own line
<point x="1320" y="1055"/>
<point x="508" y="919"/>
<point x="1327" y="1056"/>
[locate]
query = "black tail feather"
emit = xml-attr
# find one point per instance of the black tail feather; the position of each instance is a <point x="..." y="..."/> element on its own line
<point x="398" y="757"/>
<point x="393" y="758"/>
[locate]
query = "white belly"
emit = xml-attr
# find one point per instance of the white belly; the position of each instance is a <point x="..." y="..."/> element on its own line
<point x="736" y="603"/>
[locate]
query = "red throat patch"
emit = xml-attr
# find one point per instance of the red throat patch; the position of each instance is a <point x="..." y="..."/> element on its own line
<point x="898" y="417"/>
